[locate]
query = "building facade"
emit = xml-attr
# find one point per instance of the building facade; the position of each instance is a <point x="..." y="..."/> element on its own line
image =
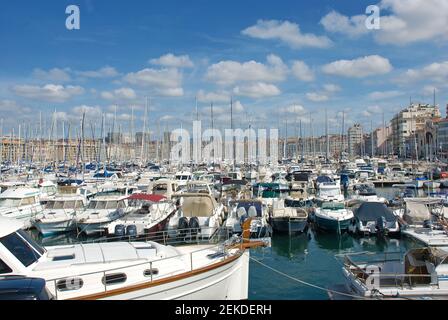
<point x="407" y="123"/>
<point x="355" y="137"/>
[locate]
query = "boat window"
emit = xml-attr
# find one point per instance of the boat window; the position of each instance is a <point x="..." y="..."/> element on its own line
<point x="78" y="204"/>
<point x="151" y="272"/>
<point x="20" y="249"/>
<point x="31" y="241"/>
<point x="70" y="284"/>
<point x="58" y="205"/>
<point x="4" y="268"/>
<point x="121" y="204"/>
<point x="332" y="206"/>
<point x="111" y="205"/>
<point x="92" y="205"/>
<point x="28" y="201"/>
<point x="100" y="205"/>
<point x="49" y="190"/>
<point x="115" y="278"/>
<point x="9" y="203"/>
<point x="330" y="192"/>
<point x="49" y="205"/>
<point x="69" y="204"/>
<point x="161" y="187"/>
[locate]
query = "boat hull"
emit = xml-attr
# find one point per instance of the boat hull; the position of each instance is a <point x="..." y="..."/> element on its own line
<point x="289" y="225"/>
<point x="47" y="229"/>
<point x="229" y="281"/>
<point x="332" y="225"/>
<point x="93" y="228"/>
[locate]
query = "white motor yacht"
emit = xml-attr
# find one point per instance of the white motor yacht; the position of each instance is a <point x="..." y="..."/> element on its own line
<point x="59" y="214"/>
<point x="150" y="215"/>
<point x="128" y="271"/>
<point x="421" y="274"/>
<point x="198" y="213"/>
<point x="329" y="191"/>
<point x="20" y="203"/>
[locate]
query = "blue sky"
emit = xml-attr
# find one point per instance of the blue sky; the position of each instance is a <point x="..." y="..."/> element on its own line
<point x="279" y="61"/>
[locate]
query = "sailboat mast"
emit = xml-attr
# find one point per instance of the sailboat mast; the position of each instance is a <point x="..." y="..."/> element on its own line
<point x="144" y="130"/>
<point x="63" y="142"/>
<point x="213" y="128"/>
<point x="1" y="148"/>
<point x="233" y="136"/>
<point x="327" y="148"/>
<point x="371" y="138"/>
<point x="301" y="140"/>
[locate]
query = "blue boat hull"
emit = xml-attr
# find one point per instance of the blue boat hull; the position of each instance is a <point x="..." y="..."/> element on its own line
<point x="331" y="225"/>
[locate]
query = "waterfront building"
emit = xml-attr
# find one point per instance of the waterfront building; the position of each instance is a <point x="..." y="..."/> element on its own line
<point x="355" y="137"/>
<point x="407" y="123"/>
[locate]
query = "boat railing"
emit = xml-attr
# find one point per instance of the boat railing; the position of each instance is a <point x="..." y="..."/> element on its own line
<point x="387" y="279"/>
<point x="96" y="282"/>
<point x="171" y="237"/>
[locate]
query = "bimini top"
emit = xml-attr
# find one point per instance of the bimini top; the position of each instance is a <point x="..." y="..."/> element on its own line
<point x="19" y="193"/>
<point x="147" y="197"/>
<point x="371" y="211"/>
<point x="8" y="226"/>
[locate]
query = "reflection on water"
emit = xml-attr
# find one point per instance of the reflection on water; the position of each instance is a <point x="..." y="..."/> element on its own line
<point x="309" y="257"/>
<point x="312" y="258"/>
<point x="333" y="242"/>
<point x="291" y="247"/>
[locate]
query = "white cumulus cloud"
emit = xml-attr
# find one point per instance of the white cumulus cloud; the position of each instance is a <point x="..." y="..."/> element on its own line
<point x="407" y="22"/>
<point x="49" y="92"/>
<point x="302" y="71"/>
<point x="105" y="72"/>
<point x="359" y="68"/>
<point x="286" y="32"/>
<point x="54" y="75"/>
<point x="231" y="72"/>
<point x="166" y="82"/>
<point x="221" y="96"/>
<point x="351" y="26"/>
<point x="257" y="90"/>
<point x="317" y="97"/>
<point x="119" y="94"/>
<point x="170" y="60"/>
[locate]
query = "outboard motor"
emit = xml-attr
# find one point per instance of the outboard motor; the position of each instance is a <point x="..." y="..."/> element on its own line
<point x="120" y="230"/>
<point x="131" y="230"/>
<point x="427" y="224"/>
<point x="194" y="225"/>
<point x="183" y="226"/>
<point x="381" y="225"/>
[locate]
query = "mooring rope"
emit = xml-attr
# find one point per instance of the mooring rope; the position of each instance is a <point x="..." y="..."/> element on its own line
<point x="307" y="283"/>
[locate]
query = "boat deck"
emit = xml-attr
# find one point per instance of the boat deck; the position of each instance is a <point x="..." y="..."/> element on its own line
<point x="433" y="238"/>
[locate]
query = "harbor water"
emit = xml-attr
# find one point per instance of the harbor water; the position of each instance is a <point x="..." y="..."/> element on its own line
<point x="309" y="257"/>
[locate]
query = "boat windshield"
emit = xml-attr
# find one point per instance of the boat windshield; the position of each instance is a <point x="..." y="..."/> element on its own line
<point x="66" y="204"/>
<point x="368" y="191"/>
<point x="330" y="192"/>
<point x="197" y="188"/>
<point x="333" y="206"/>
<point x="9" y="203"/>
<point x="26" y="250"/>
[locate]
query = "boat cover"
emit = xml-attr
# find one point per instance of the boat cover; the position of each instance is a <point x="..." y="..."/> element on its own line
<point x="322" y="179"/>
<point x="371" y="211"/>
<point x="418" y="209"/>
